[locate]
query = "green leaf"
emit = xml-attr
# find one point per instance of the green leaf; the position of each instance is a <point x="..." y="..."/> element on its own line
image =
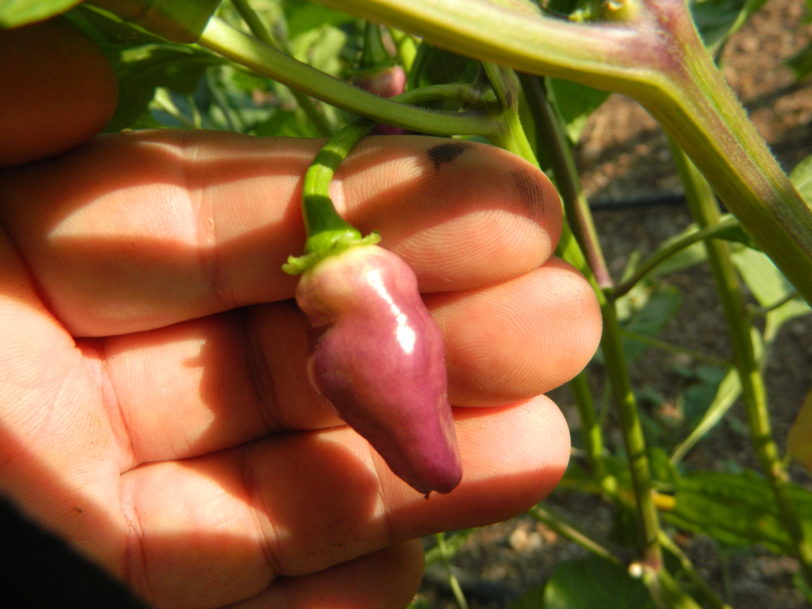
<point x="735" y="234"/>
<point x="726" y="392"/>
<point x="574" y="103"/>
<point x="302" y="17"/>
<point x="717" y="20"/>
<point x="321" y="48"/>
<point x="285" y="123"/>
<point x="645" y="310"/>
<point x="685" y="258"/>
<point x="437" y="66"/>
<point x="530" y="599"/>
<point x="769" y="287"/>
<point x="801" y="177"/>
<point x="452" y="544"/>
<point x="762" y="277"/>
<point x="176" y="20"/>
<point x="799" y="442"/>
<point x="801" y="62"/>
<point x="736" y="509"/>
<point x="590" y="582"/>
<point x="141" y="70"/>
<point x="14" y="13"/>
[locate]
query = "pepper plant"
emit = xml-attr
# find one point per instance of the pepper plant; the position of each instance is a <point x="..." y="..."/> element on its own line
<point x="492" y="70"/>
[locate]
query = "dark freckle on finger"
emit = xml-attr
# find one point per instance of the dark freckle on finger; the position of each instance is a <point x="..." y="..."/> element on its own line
<point x="529" y="190"/>
<point x="445" y="153"/>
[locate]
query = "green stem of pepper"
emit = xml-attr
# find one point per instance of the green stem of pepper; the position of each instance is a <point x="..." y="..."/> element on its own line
<point x="327" y="232"/>
<point x="513" y="138"/>
<point x="647" y="266"/>
<point x="704" y="209"/>
<point x="374" y="53"/>
<point x="655" y="56"/>
<point x="267" y="61"/>
<point x="569" y="530"/>
<point x="551" y="132"/>
<point x="616" y="364"/>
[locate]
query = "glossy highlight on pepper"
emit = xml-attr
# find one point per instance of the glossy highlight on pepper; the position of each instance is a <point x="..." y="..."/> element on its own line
<point x="378" y="357"/>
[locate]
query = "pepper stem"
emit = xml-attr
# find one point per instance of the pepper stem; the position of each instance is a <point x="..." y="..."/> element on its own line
<point x="327" y="232"/>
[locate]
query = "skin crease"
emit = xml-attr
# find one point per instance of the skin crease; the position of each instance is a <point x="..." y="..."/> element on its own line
<point x="155" y="410"/>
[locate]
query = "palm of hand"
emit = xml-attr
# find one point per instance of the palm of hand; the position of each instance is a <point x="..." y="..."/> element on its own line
<point x="155" y="409"/>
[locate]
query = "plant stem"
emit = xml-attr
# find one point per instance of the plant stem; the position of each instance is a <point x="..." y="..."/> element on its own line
<point x="665" y="253"/>
<point x="263" y="59"/>
<point x="703" y="207"/>
<point x="551" y="133"/>
<point x="657" y="58"/>
<point x="591" y="431"/>
<point x="453" y="582"/>
<point x="672" y="348"/>
<point x="320" y="215"/>
<point x="327" y="232"/>
<point x="568" y="530"/>
<point x="262" y="33"/>
<point x="714" y="602"/>
<point x="621" y="388"/>
<point x="633" y="438"/>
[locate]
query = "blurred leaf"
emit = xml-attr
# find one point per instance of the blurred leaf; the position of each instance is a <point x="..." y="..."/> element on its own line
<point x="727" y="390"/>
<point x="285" y="123"/>
<point x="14" y="13"/>
<point x="590" y="582"/>
<point x="530" y="599"/>
<point x="303" y="17"/>
<point x="769" y="286"/>
<point x="799" y="442"/>
<point x="801" y="177"/>
<point x="141" y="70"/>
<point x="321" y="48"/>
<point x="645" y="310"/>
<point x="765" y="281"/>
<point x="142" y="63"/>
<point x="736" y="509"/>
<point x="662" y="468"/>
<point x="575" y="103"/>
<point x="175" y="20"/>
<point x="562" y="7"/>
<point x="735" y="234"/>
<point x="801" y="63"/>
<point x="108" y="30"/>
<point x="453" y="543"/>
<point x="685" y="258"/>
<point x="716" y="20"/>
<point x="437" y="66"/>
<point x="695" y="253"/>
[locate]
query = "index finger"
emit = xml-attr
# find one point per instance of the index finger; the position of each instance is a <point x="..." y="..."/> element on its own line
<point x="146" y="229"/>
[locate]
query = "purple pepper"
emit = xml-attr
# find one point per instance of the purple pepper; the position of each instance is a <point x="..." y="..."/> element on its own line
<point x="378" y="357"/>
<point x="384" y="82"/>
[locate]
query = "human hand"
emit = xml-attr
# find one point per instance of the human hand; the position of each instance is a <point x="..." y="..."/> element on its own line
<point x="155" y="410"/>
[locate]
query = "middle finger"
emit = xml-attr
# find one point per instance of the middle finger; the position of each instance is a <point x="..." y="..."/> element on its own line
<point x="218" y="382"/>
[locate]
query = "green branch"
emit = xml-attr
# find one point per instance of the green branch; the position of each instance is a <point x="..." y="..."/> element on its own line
<point x="267" y="61"/>
<point x="739" y="326"/>
<point x="655" y="57"/>
<point x="262" y="34"/>
<point x="661" y="255"/>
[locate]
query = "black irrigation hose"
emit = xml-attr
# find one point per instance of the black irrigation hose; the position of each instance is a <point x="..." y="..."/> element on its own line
<point x="652" y="200"/>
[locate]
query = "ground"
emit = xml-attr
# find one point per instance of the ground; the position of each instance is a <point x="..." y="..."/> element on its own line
<point x="625" y="161"/>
